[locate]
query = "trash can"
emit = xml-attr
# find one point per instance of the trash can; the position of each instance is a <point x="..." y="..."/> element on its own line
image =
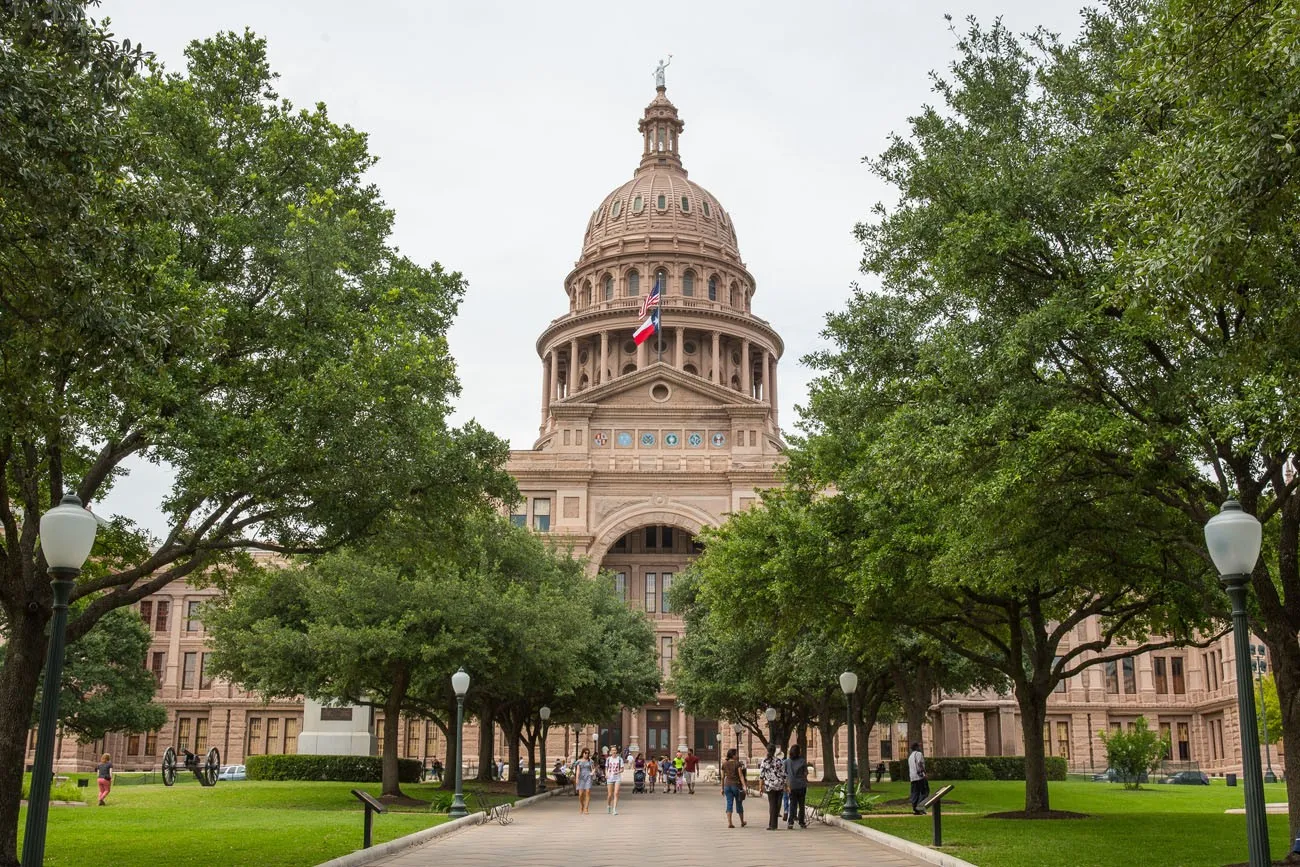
<point x="526" y="785"/>
<point x="1231" y="778"/>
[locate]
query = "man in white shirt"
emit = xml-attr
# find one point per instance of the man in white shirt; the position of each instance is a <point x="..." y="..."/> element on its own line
<point x="916" y="774"/>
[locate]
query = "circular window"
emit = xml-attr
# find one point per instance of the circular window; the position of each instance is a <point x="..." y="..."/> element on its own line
<point x="638" y="205"/>
<point x="629" y="347"/>
<point x="659" y="391"/>
<point x="690" y="368"/>
<point x="615" y="209"/>
<point x="690" y="347"/>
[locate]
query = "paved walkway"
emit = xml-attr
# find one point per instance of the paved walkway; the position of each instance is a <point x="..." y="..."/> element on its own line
<point x="660" y="830"/>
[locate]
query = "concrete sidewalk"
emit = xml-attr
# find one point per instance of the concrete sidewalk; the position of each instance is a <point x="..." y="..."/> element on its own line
<point x="661" y="830"/>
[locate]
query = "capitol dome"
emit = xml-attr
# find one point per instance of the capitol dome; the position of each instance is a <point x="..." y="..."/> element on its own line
<point x="660" y="201"/>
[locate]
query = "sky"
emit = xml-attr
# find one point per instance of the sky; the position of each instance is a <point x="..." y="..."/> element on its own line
<point x="500" y="126"/>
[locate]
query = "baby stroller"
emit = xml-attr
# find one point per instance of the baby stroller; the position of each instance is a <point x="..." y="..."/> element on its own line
<point x="638" y="781"/>
<point x="670" y="779"/>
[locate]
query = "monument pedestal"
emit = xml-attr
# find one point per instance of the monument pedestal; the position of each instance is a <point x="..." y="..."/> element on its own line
<point x="337" y="731"/>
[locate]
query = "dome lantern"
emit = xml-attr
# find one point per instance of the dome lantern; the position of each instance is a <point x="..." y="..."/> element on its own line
<point x="661" y="131"/>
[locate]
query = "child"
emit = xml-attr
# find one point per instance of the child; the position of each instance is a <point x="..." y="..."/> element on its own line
<point x="105" y="770"/>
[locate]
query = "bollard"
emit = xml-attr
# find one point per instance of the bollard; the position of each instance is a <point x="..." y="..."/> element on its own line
<point x="938" y="822"/>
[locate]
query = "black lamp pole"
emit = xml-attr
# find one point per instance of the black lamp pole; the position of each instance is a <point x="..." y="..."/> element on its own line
<point x="849" y="684"/>
<point x="459" y="683"/>
<point x="67" y="534"/>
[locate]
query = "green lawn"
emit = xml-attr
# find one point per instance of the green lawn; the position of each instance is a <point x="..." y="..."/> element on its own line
<point x="268" y="824"/>
<point x="1159" y="826"/>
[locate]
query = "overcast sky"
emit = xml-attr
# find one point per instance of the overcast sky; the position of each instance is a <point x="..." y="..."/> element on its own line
<point x="500" y="126"/>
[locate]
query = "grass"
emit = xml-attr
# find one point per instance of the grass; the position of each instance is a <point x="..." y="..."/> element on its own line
<point x="288" y="824"/>
<point x="1158" y="825"/>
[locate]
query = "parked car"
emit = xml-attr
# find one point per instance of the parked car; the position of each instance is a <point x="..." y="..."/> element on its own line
<point x="232" y="772"/>
<point x="1188" y="778"/>
<point x="1110" y="775"/>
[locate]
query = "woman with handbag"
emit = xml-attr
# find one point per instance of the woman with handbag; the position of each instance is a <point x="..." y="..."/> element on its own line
<point x="734" y="782"/>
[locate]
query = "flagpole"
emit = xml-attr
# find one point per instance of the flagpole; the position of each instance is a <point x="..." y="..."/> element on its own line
<point x="659" y="291"/>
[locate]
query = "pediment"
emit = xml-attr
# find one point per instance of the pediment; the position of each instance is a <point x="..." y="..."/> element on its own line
<point x="660" y="386"/>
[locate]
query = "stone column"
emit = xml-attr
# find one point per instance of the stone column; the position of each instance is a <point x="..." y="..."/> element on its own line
<point x="683" y="741"/>
<point x="546" y="390"/>
<point x="641" y="350"/>
<point x="604" y="356"/>
<point x="634" y="731"/>
<point x="716" y="376"/>
<point x="678" y="357"/>
<point x="555" y="374"/>
<point x="763" y="374"/>
<point x="746" y="369"/>
<point x="573" y="366"/>
<point x="771" y="391"/>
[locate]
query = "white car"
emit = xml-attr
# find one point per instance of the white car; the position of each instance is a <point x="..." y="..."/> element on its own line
<point x="232" y="772"/>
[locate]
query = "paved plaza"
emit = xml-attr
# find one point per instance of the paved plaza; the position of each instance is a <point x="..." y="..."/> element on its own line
<point x="661" y="830"/>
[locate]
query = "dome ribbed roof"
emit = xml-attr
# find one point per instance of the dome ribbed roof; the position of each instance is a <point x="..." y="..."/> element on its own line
<point x="660" y="200"/>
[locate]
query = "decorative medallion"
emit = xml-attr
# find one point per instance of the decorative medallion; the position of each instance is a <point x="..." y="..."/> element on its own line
<point x="647" y="439"/>
<point x="719" y="439"/>
<point x="671" y="439"/>
<point x="624" y="439"/>
<point x="600" y="439"/>
<point x="695" y="440"/>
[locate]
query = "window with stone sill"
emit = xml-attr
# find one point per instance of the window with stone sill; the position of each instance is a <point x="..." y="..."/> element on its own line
<point x="638" y="205"/>
<point x="615" y="209"/>
<point x="633" y="283"/>
<point x="609" y="288"/>
<point x="662" y="202"/>
<point x="706" y="208"/>
<point x="713" y="288"/>
<point x="686" y="205"/>
<point x="688" y="283"/>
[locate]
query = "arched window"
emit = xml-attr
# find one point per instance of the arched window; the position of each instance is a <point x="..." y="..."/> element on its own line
<point x="735" y="295"/>
<point x="616" y="209"/>
<point x="686" y="205"/>
<point x="638" y="205"/>
<point x="662" y="202"/>
<point x="688" y="283"/>
<point x="629" y="368"/>
<point x="586" y="294"/>
<point x="633" y="283"/>
<point x="582" y="383"/>
<point x="609" y="287"/>
<point x="661" y="281"/>
<point x="713" y="288"/>
<point x="690" y="368"/>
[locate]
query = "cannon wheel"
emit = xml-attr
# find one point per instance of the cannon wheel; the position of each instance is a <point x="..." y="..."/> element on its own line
<point x="169" y="767"/>
<point x="211" y="768"/>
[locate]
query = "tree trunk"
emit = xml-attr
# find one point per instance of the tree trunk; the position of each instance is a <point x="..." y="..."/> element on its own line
<point x="1286" y="672"/>
<point x="828" y="732"/>
<point x="868" y="711"/>
<point x="512" y="754"/>
<point x="453" y="754"/>
<point x="486" y="744"/>
<point x="864" y="752"/>
<point x="24" y="658"/>
<point x="392" y="787"/>
<point x="1033" y="715"/>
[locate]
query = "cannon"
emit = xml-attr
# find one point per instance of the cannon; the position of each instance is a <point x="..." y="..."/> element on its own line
<point x="204" y="771"/>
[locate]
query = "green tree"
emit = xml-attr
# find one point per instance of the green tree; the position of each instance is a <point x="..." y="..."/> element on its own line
<point x="1135" y="752"/>
<point x="194" y="271"/>
<point x="1002" y="506"/>
<point x="1268" y="710"/>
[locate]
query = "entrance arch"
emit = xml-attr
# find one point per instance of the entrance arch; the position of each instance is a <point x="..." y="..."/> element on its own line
<point x="677" y="515"/>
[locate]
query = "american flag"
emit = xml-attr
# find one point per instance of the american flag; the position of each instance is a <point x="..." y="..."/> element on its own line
<point x="650" y="301"/>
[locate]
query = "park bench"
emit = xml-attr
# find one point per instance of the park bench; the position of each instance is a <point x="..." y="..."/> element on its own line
<point x="491" y="809"/>
<point x="817" y="812"/>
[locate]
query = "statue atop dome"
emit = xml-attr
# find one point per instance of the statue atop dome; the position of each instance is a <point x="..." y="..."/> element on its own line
<point x="659" y="72"/>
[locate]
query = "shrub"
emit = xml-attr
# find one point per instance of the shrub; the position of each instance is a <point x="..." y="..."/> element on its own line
<point x="1134" y="752"/>
<point x="981" y="771"/>
<point x="959" y="767"/>
<point x="59" y="792"/>
<point x="348" y="769"/>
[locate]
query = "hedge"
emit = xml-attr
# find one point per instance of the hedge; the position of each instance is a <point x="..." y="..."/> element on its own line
<point x="349" y="769"/>
<point x="959" y="767"/>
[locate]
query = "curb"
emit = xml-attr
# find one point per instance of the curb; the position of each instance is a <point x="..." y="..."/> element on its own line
<point x="362" y="857"/>
<point x="907" y="847"/>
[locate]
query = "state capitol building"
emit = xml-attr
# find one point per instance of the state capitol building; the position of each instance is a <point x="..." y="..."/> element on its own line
<point x="639" y="447"/>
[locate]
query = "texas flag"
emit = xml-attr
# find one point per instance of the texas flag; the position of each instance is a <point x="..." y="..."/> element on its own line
<point x="648" y="328"/>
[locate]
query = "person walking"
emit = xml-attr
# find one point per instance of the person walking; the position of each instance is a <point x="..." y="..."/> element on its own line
<point x="771" y="781"/>
<point x="691" y="767"/>
<point x="796" y="784"/>
<point x="105" y="770"/>
<point x="916" y="774"/>
<point x="734" y="782"/>
<point x="584" y="770"/>
<point x="613" y="778"/>
<point x="651" y="772"/>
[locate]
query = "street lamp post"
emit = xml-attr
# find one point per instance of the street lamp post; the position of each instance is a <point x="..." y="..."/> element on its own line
<point x="460" y="684"/>
<point x="770" y="713"/>
<point x="849" y="684"/>
<point x="1260" y="666"/>
<point x="1234" y="538"/>
<point x="545" y="714"/>
<point x="67" y="534"/>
